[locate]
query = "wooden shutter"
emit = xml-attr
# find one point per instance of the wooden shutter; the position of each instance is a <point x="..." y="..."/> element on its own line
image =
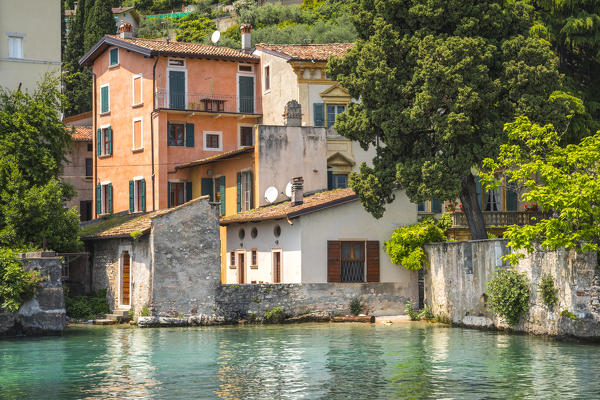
<point x="511" y="200"/>
<point x="319" y="112"/>
<point x="222" y="191"/>
<point x="110" y="140"/>
<point x="329" y="180"/>
<point x="177" y="90"/>
<point x="246" y="91"/>
<point x="169" y="194"/>
<point x="189" y="135"/>
<point x="104" y="99"/>
<point x="251" y="181"/>
<point x="188" y="191"/>
<point x="206" y="188"/>
<point x="131" y="196"/>
<point x="143" y="189"/>
<point x="334" y="261"/>
<point x="373" y="261"/>
<point x="436" y="206"/>
<point x="110" y="198"/>
<point x="98" y="200"/>
<point x="99" y="142"/>
<point x="239" y="192"/>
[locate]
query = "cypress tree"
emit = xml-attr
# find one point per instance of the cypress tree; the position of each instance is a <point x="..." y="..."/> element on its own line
<point x="99" y="22"/>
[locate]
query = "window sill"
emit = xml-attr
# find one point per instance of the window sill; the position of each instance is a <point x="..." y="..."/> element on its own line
<point x="105" y="156"/>
<point x="114" y="66"/>
<point x="175" y="145"/>
<point x="137" y="150"/>
<point x="104" y="114"/>
<point x="212" y="149"/>
<point x="267" y="91"/>
<point x="254" y="267"/>
<point x="233" y="267"/>
<point x="137" y="105"/>
<point x="89" y="178"/>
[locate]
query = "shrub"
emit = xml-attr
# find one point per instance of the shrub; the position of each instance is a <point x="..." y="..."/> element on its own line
<point x="570" y="315"/>
<point x="548" y="291"/>
<point x="509" y="294"/>
<point x="356" y="306"/>
<point x="275" y="315"/>
<point x="88" y="307"/>
<point x="16" y="284"/>
<point x="406" y="245"/>
<point x="409" y="308"/>
<point x="426" y="314"/>
<point x="145" y="311"/>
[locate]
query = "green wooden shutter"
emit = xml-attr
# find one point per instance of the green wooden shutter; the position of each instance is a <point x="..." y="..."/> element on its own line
<point x="239" y="192"/>
<point x="511" y="200"/>
<point x="188" y="191"/>
<point x="319" y="112"/>
<point x="143" y="188"/>
<point x="110" y="140"/>
<point x="110" y="198"/>
<point x="114" y="56"/>
<point x="436" y="206"/>
<point x="177" y="90"/>
<point x="329" y="180"/>
<point x="222" y="191"/>
<point x="251" y="182"/>
<point x="169" y="194"/>
<point x="131" y="196"/>
<point x="206" y="188"/>
<point x="99" y="142"/>
<point x="189" y="135"/>
<point x="246" y="91"/>
<point x="478" y="190"/>
<point x="104" y="99"/>
<point x="98" y="199"/>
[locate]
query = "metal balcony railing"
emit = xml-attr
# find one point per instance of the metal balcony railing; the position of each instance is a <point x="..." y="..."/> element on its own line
<point x="502" y="218"/>
<point x="206" y="102"/>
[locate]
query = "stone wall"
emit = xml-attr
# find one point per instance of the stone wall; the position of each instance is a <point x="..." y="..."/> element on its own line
<point x="458" y="272"/>
<point x="45" y="313"/>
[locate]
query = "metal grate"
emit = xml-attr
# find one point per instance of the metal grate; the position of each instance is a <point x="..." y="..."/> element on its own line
<point x="353" y="271"/>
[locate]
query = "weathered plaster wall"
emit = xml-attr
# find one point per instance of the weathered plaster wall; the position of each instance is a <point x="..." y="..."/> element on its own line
<point x="284" y="87"/>
<point x="285" y="152"/>
<point x="456" y="279"/>
<point x="45" y="314"/>
<point x="74" y="173"/>
<point x="186" y="262"/>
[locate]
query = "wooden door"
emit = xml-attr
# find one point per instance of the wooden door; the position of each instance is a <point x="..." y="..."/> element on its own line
<point x="125" y="279"/>
<point x="246" y="92"/>
<point x="241" y="267"/>
<point x="276" y="267"/>
<point x="177" y="90"/>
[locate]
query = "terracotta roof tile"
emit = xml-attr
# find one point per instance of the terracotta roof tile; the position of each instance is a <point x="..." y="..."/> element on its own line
<point x="188" y="49"/>
<point x="307" y="52"/>
<point x="310" y="204"/>
<point x="82" y="134"/>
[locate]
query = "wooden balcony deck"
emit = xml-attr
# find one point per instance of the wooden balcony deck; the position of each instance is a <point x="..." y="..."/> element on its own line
<point x="501" y="218"/>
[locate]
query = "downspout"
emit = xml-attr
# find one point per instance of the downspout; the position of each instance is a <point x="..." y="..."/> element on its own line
<point x="152" y="131"/>
<point x="95" y="139"/>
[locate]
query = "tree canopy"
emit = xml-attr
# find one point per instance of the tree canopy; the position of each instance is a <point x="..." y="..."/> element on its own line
<point x="437" y="80"/>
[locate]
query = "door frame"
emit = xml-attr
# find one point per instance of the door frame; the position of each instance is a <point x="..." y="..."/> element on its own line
<point x="241" y="267"/>
<point x="237" y="88"/>
<point x="273" y="252"/>
<point x="180" y="69"/>
<point x="121" y="253"/>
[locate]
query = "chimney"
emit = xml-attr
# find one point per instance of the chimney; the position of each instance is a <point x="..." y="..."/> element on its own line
<point x="246" y="44"/>
<point x="297" y="191"/>
<point x="126" y="30"/>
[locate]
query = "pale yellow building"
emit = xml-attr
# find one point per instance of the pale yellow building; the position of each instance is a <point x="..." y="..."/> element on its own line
<point x="29" y="41"/>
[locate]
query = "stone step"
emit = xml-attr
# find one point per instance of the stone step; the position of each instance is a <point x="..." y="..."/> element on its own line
<point x="119" y="318"/>
<point x="120" y="312"/>
<point x="104" y="322"/>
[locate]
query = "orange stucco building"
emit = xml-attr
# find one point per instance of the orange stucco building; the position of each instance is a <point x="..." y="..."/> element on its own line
<point x="160" y="104"/>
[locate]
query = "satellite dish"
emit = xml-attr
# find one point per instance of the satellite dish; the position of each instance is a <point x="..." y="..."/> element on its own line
<point x="271" y="194"/>
<point x="215" y="37"/>
<point x="288" y="189"/>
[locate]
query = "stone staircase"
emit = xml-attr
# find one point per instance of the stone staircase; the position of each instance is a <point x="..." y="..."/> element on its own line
<point x="119" y="315"/>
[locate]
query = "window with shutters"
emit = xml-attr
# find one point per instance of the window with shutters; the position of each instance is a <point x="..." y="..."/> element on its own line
<point x="219" y="193"/>
<point x="333" y="110"/>
<point x="339" y="181"/>
<point x="106" y="198"/>
<point x="353" y="262"/>
<point x="137" y="90"/>
<point x="15" y="47"/>
<point x="176" y="193"/>
<point x="105" y="99"/>
<point x="212" y="141"/>
<point x="114" y="57"/>
<point x="245" y="190"/>
<point x="139" y="195"/>
<point x="246" y="136"/>
<point x="105" y="141"/>
<point x="137" y="134"/>
<point x="176" y="134"/>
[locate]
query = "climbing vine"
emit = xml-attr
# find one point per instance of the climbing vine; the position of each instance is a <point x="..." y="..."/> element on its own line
<point x="548" y="291"/>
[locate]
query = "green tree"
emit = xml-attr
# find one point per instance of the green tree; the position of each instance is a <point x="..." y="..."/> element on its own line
<point x="437" y="80"/>
<point x="99" y="22"/>
<point x="195" y="29"/>
<point x="33" y="142"/>
<point x="566" y="186"/>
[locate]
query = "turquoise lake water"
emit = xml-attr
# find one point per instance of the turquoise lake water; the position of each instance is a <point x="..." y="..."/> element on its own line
<point x="310" y="361"/>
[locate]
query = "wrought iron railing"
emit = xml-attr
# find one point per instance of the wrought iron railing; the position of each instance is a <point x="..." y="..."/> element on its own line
<point x="206" y="102"/>
<point x="353" y="271"/>
<point x="501" y="218"/>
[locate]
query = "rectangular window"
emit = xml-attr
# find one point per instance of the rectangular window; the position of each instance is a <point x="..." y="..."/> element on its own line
<point x="106" y="196"/>
<point x="267" y="77"/>
<point x="114" y="56"/>
<point x="15" y="47"/>
<point x="232" y="259"/>
<point x="332" y="113"/>
<point x="139" y="195"/>
<point x="422" y="207"/>
<point x="353" y="262"/>
<point x="177" y="62"/>
<point x="245" y="191"/>
<point x="85" y="210"/>
<point x="176" y="134"/>
<point x="246" y="136"/>
<point x="137" y="134"/>
<point x="339" y="181"/>
<point x="104" y="141"/>
<point x="89" y="167"/>
<point x="176" y="193"/>
<point x="90" y="147"/>
<point x="212" y="141"/>
<point x="104" y="99"/>
<point x="137" y="90"/>
<point x="245" y="68"/>
<point x="254" y="258"/>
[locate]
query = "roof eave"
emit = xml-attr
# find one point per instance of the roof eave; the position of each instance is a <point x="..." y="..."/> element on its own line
<point x="119" y="236"/>
<point x="96" y="50"/>
<point x="274" y="53"/>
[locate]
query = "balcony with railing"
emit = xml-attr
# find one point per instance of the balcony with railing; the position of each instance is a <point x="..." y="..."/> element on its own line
<point x="501" y="218"/>
<point x="207" y="103"/>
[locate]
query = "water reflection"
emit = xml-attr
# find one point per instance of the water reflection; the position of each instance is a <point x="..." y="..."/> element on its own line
<point x="416" y="361"/>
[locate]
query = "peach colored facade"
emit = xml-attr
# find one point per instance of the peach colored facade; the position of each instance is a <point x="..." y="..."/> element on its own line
<point x="153" y="159"/>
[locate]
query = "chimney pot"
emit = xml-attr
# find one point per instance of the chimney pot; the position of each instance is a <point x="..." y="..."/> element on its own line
<point x="297" y="191"/>
<point x="126" y="30"/>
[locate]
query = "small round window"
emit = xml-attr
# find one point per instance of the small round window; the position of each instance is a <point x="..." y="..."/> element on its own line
<point x="277" y="231"/>
<point x="242" y="233"/>
<point x="254" y="233"/>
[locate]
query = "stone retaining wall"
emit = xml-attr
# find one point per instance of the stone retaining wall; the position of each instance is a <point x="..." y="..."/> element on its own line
<point x="45" y="314"/>
<point x="458" y="272"/>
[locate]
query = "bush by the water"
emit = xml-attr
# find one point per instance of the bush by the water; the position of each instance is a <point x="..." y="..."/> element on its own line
<point x="16" y="284"/>
<point x="508" y="295"/>
<point x="548" y="291"/>
<point x="356" y="306"/>
<point x="275" y="315"/>
<point x="410" y="310"/>
<point x="88" y="307"/>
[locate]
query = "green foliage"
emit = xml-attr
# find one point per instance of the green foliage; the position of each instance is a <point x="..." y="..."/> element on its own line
<point x="33" y="143"/>
<point x="197" y="30"/>
<point x="356" y="306"/>
<point x="426" y="314"/>
<point x="153" y="28"/>
<point x="568" y="314"/>
<point x="99" y="21"/>
<point x="130" y="313"/>
<point x="16" y="284"/>
<point x="275" y="315"/>
<point x="508" y="295"/>
<point x="406" y="245"/>
<point x="548" y="291"/>
<point x="566" y="186"/>
<point x="87" y="307"/>
<point x="145" y="312"/>
<point x="437" y="81"/>
<point x="135" y="235"/>
<point x="410" y="310"/>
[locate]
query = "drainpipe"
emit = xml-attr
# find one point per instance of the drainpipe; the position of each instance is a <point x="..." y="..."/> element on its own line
<point x="95" y="139"/>
<point x="152" y="131"/>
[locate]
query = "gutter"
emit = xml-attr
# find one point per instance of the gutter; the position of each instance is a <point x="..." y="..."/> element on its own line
<point x="152" y="132"/>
